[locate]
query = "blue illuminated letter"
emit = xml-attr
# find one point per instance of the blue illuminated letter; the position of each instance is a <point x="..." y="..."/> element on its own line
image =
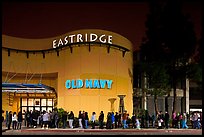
<point x="68" y="84"/>
<point x="109" y="82"/>
<point x="79" y="83"/>
<point x="102" y="83"/>
<point x="73" y="86"/>
<point x="96" y="84"/>
<point x="88" y="83"/>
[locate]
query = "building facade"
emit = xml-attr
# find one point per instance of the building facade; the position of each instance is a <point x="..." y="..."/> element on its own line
<point x="90" y="70"/>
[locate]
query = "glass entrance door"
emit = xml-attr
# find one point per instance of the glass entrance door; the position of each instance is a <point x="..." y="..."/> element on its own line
<point x="39" y="104"/>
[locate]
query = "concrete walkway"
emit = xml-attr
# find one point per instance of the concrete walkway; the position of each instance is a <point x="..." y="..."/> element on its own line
<point x="97" y="131"/>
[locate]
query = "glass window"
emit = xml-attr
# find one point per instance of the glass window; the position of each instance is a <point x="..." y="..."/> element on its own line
<point x="43" y="102"/>
<point x="30" y="102"/>
<point x="49" y="109"/>
<point x="49" y="103"/>
<point x="24" y="101"/>
<point x="37" y="108"/>
<point x="37" y="102"/>
<point x="30" y="108"/>
<point x="43" y="109"/>
<point x="24" y="108"/>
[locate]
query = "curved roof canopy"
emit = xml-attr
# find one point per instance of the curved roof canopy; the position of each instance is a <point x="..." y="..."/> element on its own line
<point x="26" y="88"/>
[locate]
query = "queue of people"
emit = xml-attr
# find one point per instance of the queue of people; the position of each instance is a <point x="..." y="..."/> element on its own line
<point x="51" y="119"/>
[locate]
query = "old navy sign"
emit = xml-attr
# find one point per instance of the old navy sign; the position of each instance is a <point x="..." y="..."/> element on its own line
<point x="89" y="84"/>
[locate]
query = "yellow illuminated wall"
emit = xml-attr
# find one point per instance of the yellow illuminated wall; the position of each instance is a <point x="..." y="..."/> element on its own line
<point x="80" y="64"/>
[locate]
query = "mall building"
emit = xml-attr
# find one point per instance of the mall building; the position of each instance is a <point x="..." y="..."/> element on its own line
<point x="89" y="69"/>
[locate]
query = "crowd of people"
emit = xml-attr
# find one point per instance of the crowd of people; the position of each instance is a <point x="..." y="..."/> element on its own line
<point x="51" y="119"/>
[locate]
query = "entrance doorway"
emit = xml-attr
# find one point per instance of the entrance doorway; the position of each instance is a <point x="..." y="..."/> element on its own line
<point x="39" y="104"/>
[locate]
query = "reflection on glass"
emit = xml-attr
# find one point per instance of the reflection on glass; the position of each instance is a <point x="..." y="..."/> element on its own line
<point x="30" y="102"/>
<point x="37" y="108"/>
<point x="43" y="102"/>
<point x="49" y="103"/>
<point x="24" y="102"/>
<point x="30" y="108"/>
<point x="49" y="109"/>
<point x="24" y="108"/>
<point x="43" y="109"/>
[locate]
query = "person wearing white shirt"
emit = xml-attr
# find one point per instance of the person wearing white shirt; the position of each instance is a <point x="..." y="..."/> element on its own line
<point x="93" y="119"/>
<point x="14" y="121"/>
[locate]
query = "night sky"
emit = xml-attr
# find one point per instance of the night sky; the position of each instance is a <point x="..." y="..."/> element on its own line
<point x="44" y="20"/>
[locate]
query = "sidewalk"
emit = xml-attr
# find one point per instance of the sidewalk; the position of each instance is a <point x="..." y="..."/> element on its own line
<point x="38" y="129"/>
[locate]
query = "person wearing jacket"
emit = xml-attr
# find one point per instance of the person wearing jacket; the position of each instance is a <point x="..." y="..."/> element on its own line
<point x="112" y="120"/>
<point x="80" y="116"/>
<point x="64" y="119"/>
<point x="9" y="120"/>
<point x="86" y="120"/>
<point x="46" y="119"/>
<point x="56" y="119"/>
<point x="101" y="119"/>
<point x="71" y="119"/>
<point x="20" y="119"/>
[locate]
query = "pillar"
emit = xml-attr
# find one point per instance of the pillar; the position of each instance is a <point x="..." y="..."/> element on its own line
<point x="186" y="97"/>
<point x="112" y="100"/>
<point x="144" y="87"/>
<point x="121" y="105"/>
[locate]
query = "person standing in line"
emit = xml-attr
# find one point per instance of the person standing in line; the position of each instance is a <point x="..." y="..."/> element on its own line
<point x="199" y="124"/>
<point x="101" y="119"/>
<point x="124" y="117"/>
<point x="116" y="120"/>
<point x="56" y="119"/>
<point x="71" y="119"/>
<point x="109" y="122"/>
<point x="93" y="119"/>
<point x="2" y="120"/>
<point x="83" y="120"/>
<point x="9" y="120"/>
<point x="40" y="120"/>
<point x="137" y="123"/>
<point x="166" y="120"/>
<point x="160" y="120"/>
<point x="146" y="119"/>
<point x="86" y="120"/>
<point x="153" y="120"/>
<point x="45" y="120"/>
<point x="14" y="121"/>
<point x="64" y="119"/>
<point x="34" y="118"/>
<point x="195" y="120"/>
<point x="7" y="116"/>
<point x="51" y="120"/>
<point x="200" y="120"/>
<point x="20" y="119"/>
<point x="80" y="119"/>
<point x="31" y="118"/>
<point x="27" y="117"/>
<point x="133" y="120"/>
<point x="24" y="118"/>
<point x="184" y="121"/>
<point x="112" y="120"/>
<point x="174" y="120"/>
<point x="142" y="120"/>
<point x="120" y="119"/>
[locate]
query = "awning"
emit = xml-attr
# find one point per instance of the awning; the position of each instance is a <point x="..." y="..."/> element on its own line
<point x="27" y="88"/>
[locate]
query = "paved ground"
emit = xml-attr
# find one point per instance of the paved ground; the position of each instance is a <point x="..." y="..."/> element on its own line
<point x="77" y="131"/>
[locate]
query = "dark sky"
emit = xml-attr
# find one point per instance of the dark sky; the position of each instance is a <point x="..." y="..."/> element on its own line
<point x="44" y="20"/>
